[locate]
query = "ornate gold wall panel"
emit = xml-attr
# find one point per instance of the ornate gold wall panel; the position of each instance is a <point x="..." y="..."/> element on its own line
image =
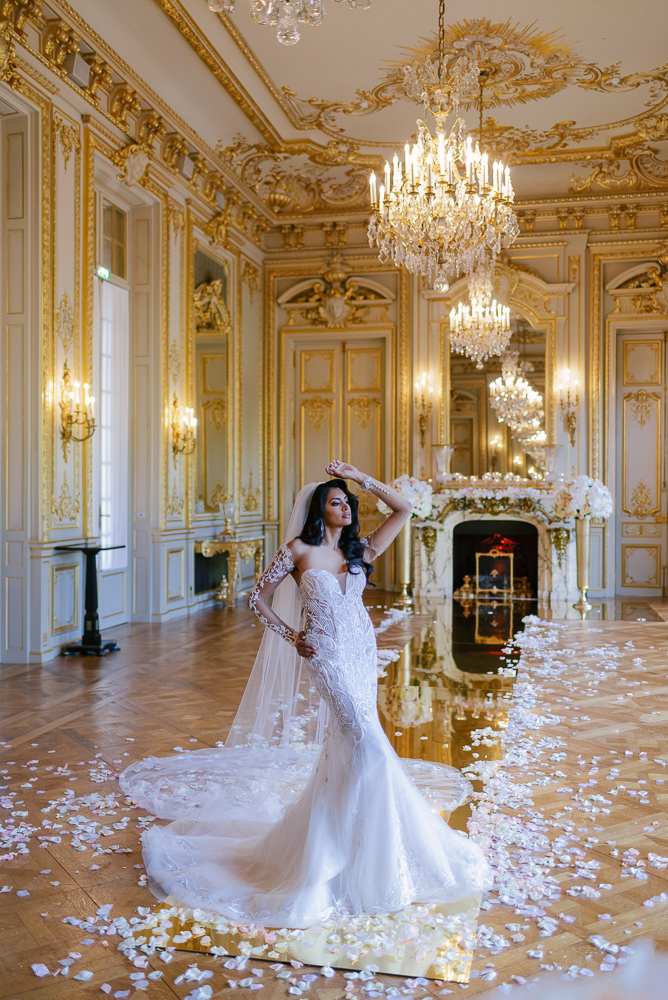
<point x="641" y="468"/>
<point x="641" y="566"/>
<point x="640" y="458"/>
<point x="642" y="362"/>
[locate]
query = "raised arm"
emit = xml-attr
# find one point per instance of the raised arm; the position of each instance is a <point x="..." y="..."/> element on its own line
<point x="277" y="570"/>
<point x="400" y="508"/>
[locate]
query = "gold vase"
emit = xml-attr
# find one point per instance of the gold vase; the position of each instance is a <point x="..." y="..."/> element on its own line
<point x="404" y="564"/>
<point x="582" y="546"/>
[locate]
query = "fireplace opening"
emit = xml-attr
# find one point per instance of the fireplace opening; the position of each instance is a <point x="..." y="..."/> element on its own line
<point x="513" y="546"/>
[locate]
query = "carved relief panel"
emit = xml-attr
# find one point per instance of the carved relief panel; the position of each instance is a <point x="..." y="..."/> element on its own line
<point x="641" y="436"/>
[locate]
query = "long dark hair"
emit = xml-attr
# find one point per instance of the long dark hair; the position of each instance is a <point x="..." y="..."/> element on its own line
<point x="313" y="531"/>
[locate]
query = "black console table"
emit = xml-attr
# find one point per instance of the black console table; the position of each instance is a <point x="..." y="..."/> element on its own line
<point x="91" y="641"/>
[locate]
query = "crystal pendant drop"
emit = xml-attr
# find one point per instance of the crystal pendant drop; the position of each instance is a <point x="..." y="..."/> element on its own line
<point x="273" y="13"/>
<point x="259" y="11"/>
<point x="288" y="32"/>
<point x="221" y="6"/>
<point x="311" y="12"/>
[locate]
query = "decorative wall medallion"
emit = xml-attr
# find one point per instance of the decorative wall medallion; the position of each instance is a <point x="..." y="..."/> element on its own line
<point x="175" y="504"/>
<point x="642" y="500"/>
<point x="70" y="139"/>
<point x="66" y="507"/>
<point x="174" y="360"/>
<point x="316" y="412"/>
<point x="251" y="277"/>
<point x="364" y="411"/>
<point x="176" y="217"/>
<point x="64" y="322"/>
<point x="216" y="411"/>
<point x="251" y="497"/>
<point x="641" y="406"/>
<point x="337" y="301"/>
<point x="133" y="160"/>
<point x="218" y="228"/>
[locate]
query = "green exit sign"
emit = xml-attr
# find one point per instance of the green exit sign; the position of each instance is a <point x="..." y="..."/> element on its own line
<point x="103" y="272"/>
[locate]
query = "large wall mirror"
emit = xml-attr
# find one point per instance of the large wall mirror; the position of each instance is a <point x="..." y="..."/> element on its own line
<point x="482" y="442"/>
<point x="212" y="361"/>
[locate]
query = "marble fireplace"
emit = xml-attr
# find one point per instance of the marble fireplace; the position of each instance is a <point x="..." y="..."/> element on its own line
<point x="555" y="573"/>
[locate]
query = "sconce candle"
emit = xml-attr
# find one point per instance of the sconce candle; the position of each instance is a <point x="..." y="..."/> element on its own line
<point x="77" y="423"/>
<point x="569" y="404"/>
<point x="423" y="403"/>
<point x="184" y="430"/>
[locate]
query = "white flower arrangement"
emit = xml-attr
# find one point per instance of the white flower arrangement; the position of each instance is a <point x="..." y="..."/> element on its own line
<point x="582" y="496"/>
<point x="417" y="491"/>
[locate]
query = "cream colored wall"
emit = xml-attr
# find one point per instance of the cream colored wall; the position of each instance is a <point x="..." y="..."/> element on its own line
<point x="61" y="146"/>
<point x="54" y="169"/>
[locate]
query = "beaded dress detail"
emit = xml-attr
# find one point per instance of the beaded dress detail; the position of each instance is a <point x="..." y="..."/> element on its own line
<point x="346" y="829"/>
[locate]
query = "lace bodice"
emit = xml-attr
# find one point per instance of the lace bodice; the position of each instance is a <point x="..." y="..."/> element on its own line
<point x="344" y="669"/>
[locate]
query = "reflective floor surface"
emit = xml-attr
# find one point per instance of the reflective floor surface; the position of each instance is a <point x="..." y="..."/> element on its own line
<point x="573" y="811"/>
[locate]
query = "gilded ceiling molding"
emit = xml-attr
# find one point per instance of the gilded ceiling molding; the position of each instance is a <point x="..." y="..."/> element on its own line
<point x="200" y="44"/>
<point x="297" y="179"/>
<point x="522" y="65"/>
<point x="644" y="168"/>
<point x="154" y="125"/>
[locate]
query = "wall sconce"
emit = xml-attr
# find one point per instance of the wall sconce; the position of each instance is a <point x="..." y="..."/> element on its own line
<point x="184" y="430"/>
<point x="423" y="403"/>
<point x="77" y="422"/>
<point x="569" y="404"/>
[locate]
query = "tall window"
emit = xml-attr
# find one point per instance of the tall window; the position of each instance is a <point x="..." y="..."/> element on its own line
<point x="112" y="308"/>
<point x="114" y="239"/>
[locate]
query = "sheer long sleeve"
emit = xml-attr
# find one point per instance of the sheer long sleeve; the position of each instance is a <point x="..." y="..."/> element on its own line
<point x="280" y="566"/>
<point x="382" y="537"/>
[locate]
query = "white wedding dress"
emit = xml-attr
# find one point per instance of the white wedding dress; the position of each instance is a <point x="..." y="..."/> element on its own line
<point x="286" y="836"/>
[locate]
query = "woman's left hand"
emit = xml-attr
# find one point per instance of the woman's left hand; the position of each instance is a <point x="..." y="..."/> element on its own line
<point x="341" y="470"/>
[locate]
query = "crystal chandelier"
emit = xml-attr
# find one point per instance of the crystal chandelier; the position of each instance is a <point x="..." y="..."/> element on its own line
<point x="285" y="15"/>
<point x="482" y="329"/>
<point x="446" y="209"/>
<point x="516" y="402"/>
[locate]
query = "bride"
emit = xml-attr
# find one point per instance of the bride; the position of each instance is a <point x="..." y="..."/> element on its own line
<point x="306" y="810"/>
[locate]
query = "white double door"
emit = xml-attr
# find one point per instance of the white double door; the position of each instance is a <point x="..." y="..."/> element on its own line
<point x="337" y="404"/>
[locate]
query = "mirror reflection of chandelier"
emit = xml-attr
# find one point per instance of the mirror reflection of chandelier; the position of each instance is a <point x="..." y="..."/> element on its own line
<point x="516" y="402"/>
<point x="482" y="329"/>
<point x="446" y="209"/>
<point x="285" y="15"/>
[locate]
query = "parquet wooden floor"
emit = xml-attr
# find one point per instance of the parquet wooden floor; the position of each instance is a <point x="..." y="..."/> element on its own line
<point x="69" y="725"/>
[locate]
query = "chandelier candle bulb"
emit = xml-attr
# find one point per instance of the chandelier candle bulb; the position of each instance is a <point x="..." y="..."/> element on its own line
<point x="372" y="190"/>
